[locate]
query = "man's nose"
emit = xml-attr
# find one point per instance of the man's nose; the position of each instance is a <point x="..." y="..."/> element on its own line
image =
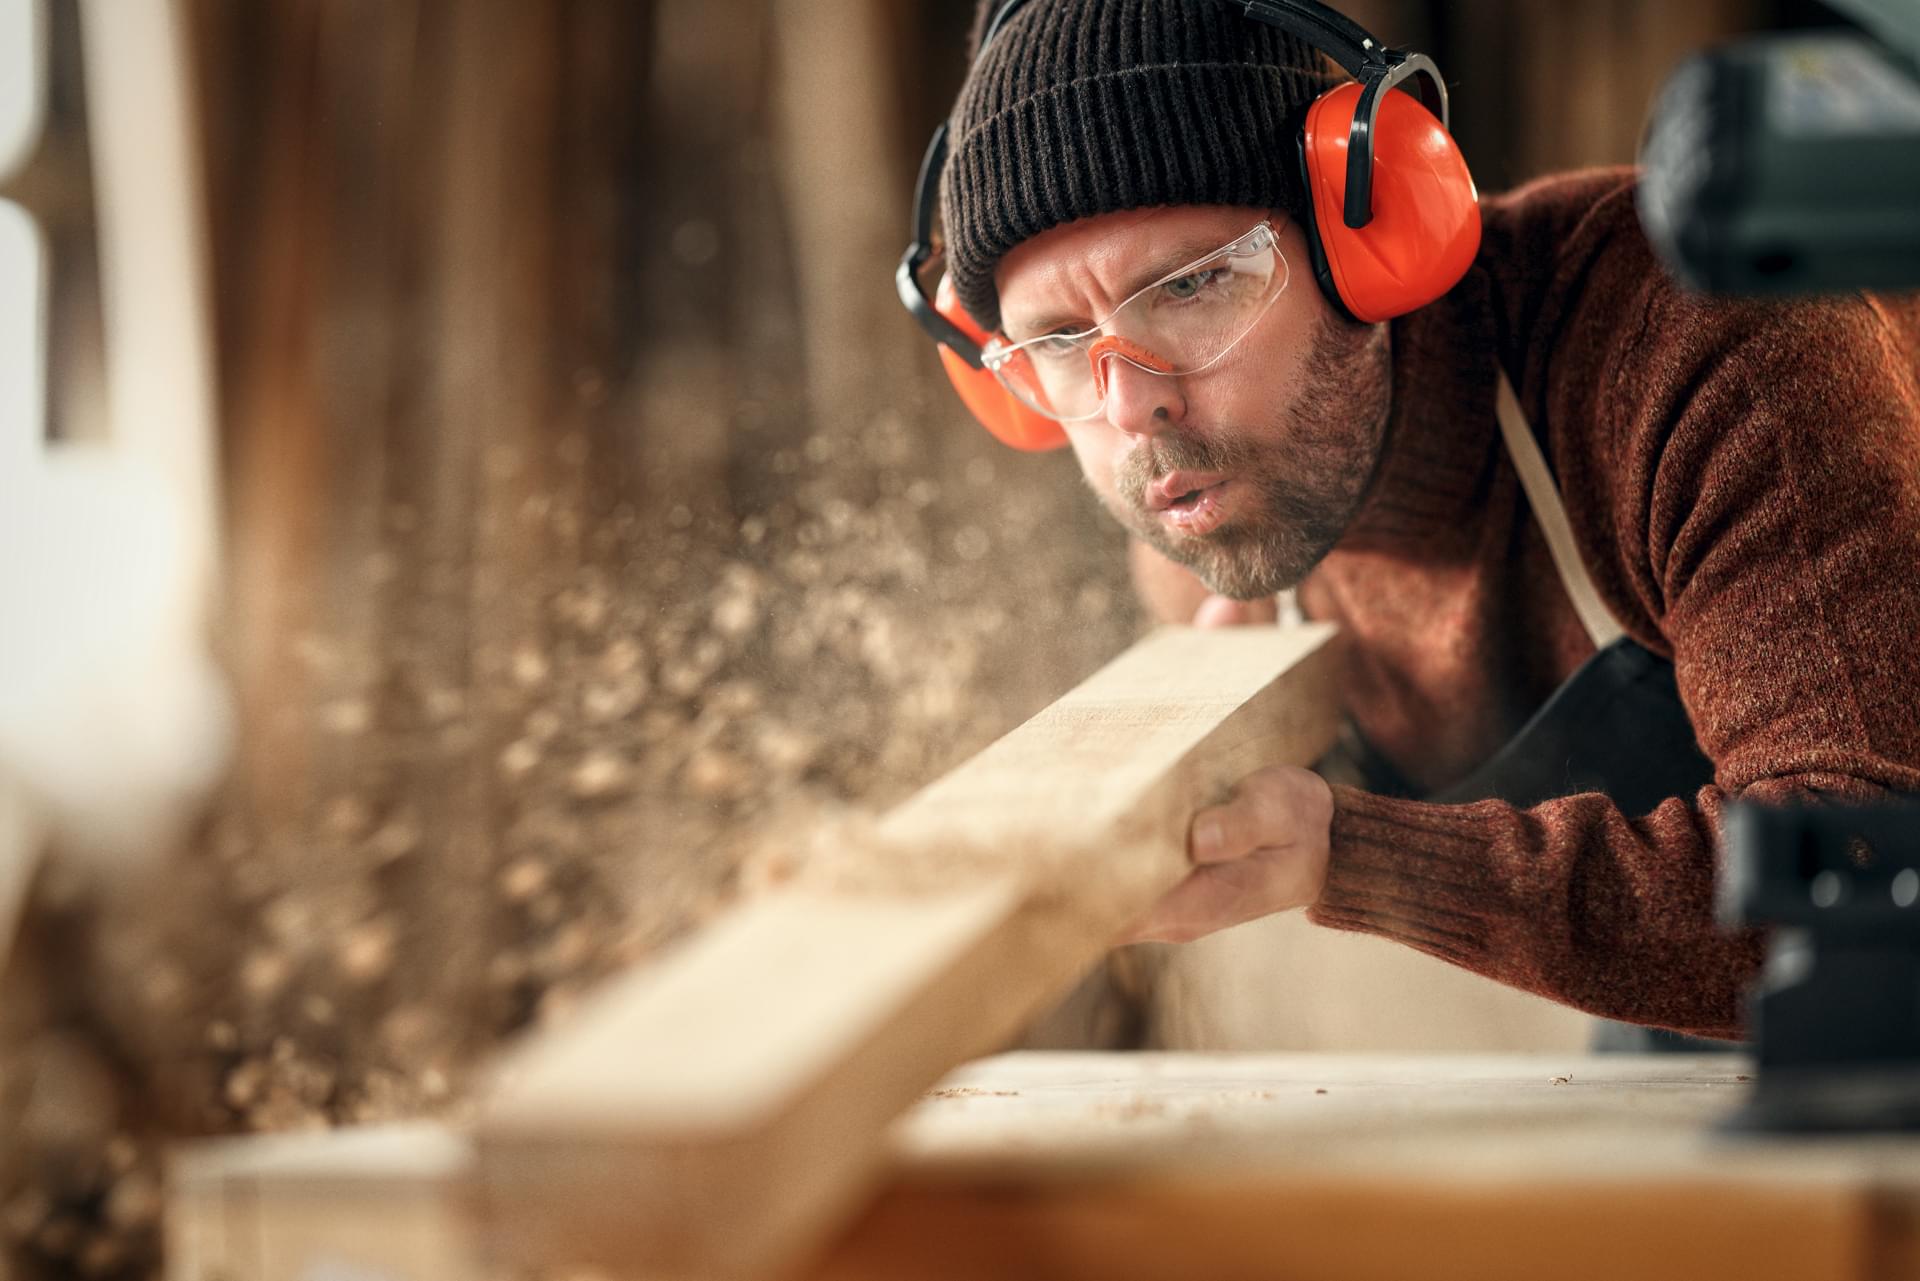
<point x="1141" y="398"/>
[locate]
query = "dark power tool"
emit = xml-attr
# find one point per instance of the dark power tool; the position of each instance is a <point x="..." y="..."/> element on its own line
<point x="1790" y="162"/>
<point x="1836" y="1014"/>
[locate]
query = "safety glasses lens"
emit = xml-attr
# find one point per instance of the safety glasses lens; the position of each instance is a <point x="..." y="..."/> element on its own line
<point x="1189" y="320"/>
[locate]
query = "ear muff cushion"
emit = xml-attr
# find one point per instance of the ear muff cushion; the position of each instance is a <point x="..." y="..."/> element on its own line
<point x="1426" y="214"/>
<point x="1011" y="422"/>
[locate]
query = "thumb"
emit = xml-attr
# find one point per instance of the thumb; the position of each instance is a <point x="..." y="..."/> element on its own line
<point x="1261" y="812"/>
<point x="1225" y="832"/>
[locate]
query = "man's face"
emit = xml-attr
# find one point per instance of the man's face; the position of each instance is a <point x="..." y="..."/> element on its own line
<point x="1249" y="471"/>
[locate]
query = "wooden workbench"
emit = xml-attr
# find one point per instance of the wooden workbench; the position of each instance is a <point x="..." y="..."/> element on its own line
<point x="1196" y="1167"/>
<point x="1373" y="1168"/>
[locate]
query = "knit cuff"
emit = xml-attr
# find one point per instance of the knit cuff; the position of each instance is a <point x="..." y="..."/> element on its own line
<point x="1413" y="872"/>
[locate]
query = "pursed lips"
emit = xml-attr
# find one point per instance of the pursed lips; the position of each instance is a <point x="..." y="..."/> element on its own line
<point x="1174" y="487"/>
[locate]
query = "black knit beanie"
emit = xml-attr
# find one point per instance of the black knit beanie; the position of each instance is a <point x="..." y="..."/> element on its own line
<point x="1084" y="107"/>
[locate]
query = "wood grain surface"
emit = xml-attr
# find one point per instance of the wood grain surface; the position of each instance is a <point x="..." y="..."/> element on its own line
<point x="1371" y="1168"/>
<point x="1211" y="1167"/>
<point x="721" y="1112"/>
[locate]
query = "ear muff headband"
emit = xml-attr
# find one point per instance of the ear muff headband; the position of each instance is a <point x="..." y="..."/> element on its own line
<point x="1394" y="219"/>
<point x="1425" y="225"/>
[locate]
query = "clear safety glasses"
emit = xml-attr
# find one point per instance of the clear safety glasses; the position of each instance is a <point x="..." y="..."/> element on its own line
<point x="1183" y="323"/>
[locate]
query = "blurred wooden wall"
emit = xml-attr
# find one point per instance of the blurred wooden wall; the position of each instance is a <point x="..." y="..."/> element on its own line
<point x="416" y="239"/>
<point x="592" y="512"/>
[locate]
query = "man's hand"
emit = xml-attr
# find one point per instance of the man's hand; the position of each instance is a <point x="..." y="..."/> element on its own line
<point x="1264" y="851"/>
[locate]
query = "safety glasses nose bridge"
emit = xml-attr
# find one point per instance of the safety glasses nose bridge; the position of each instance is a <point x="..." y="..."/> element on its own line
<point x="1114" y="347"/>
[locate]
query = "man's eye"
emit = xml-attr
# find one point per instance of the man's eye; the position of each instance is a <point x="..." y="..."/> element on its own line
<point x="1191" y="285"/>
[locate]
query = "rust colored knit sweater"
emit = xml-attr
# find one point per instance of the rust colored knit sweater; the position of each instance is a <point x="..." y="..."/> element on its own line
<point x="1743" y="480"/>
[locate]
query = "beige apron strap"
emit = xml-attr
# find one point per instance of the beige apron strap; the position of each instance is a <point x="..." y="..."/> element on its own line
<point x="1544" y="497"/>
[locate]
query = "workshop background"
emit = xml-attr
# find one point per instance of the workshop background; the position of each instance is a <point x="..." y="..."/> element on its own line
<point x="595" y="523"/>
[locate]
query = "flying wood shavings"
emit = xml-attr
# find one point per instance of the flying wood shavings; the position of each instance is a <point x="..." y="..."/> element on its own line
<point x="624" y="765"/>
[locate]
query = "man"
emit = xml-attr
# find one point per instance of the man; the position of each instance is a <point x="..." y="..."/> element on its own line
<point x="1741" y="483"/>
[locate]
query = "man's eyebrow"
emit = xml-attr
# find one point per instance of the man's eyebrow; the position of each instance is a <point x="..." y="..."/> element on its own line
<point x="1180" y="255"/>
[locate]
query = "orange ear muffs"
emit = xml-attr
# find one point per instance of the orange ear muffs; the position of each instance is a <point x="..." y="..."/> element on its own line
<point x="1011" y="422"/>
<point x="1425" y="227"/>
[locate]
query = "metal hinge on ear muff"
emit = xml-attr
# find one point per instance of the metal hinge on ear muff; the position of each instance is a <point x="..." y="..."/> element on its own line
<point x="1376" y="78"/>
<point x="1377" y="68"/>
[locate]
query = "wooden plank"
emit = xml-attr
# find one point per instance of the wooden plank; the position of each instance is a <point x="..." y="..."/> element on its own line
<point x="721" y="1111"/>
<point x="796" y="1001"/>
<point x="386" y="1201"/>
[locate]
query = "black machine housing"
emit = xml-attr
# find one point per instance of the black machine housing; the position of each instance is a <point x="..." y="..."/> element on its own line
<point x="1836" y="1015"/>
<point x="1789" y="163"/>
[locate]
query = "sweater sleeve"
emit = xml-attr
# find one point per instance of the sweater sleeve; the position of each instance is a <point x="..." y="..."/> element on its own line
<point x="1744" y="481"/>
